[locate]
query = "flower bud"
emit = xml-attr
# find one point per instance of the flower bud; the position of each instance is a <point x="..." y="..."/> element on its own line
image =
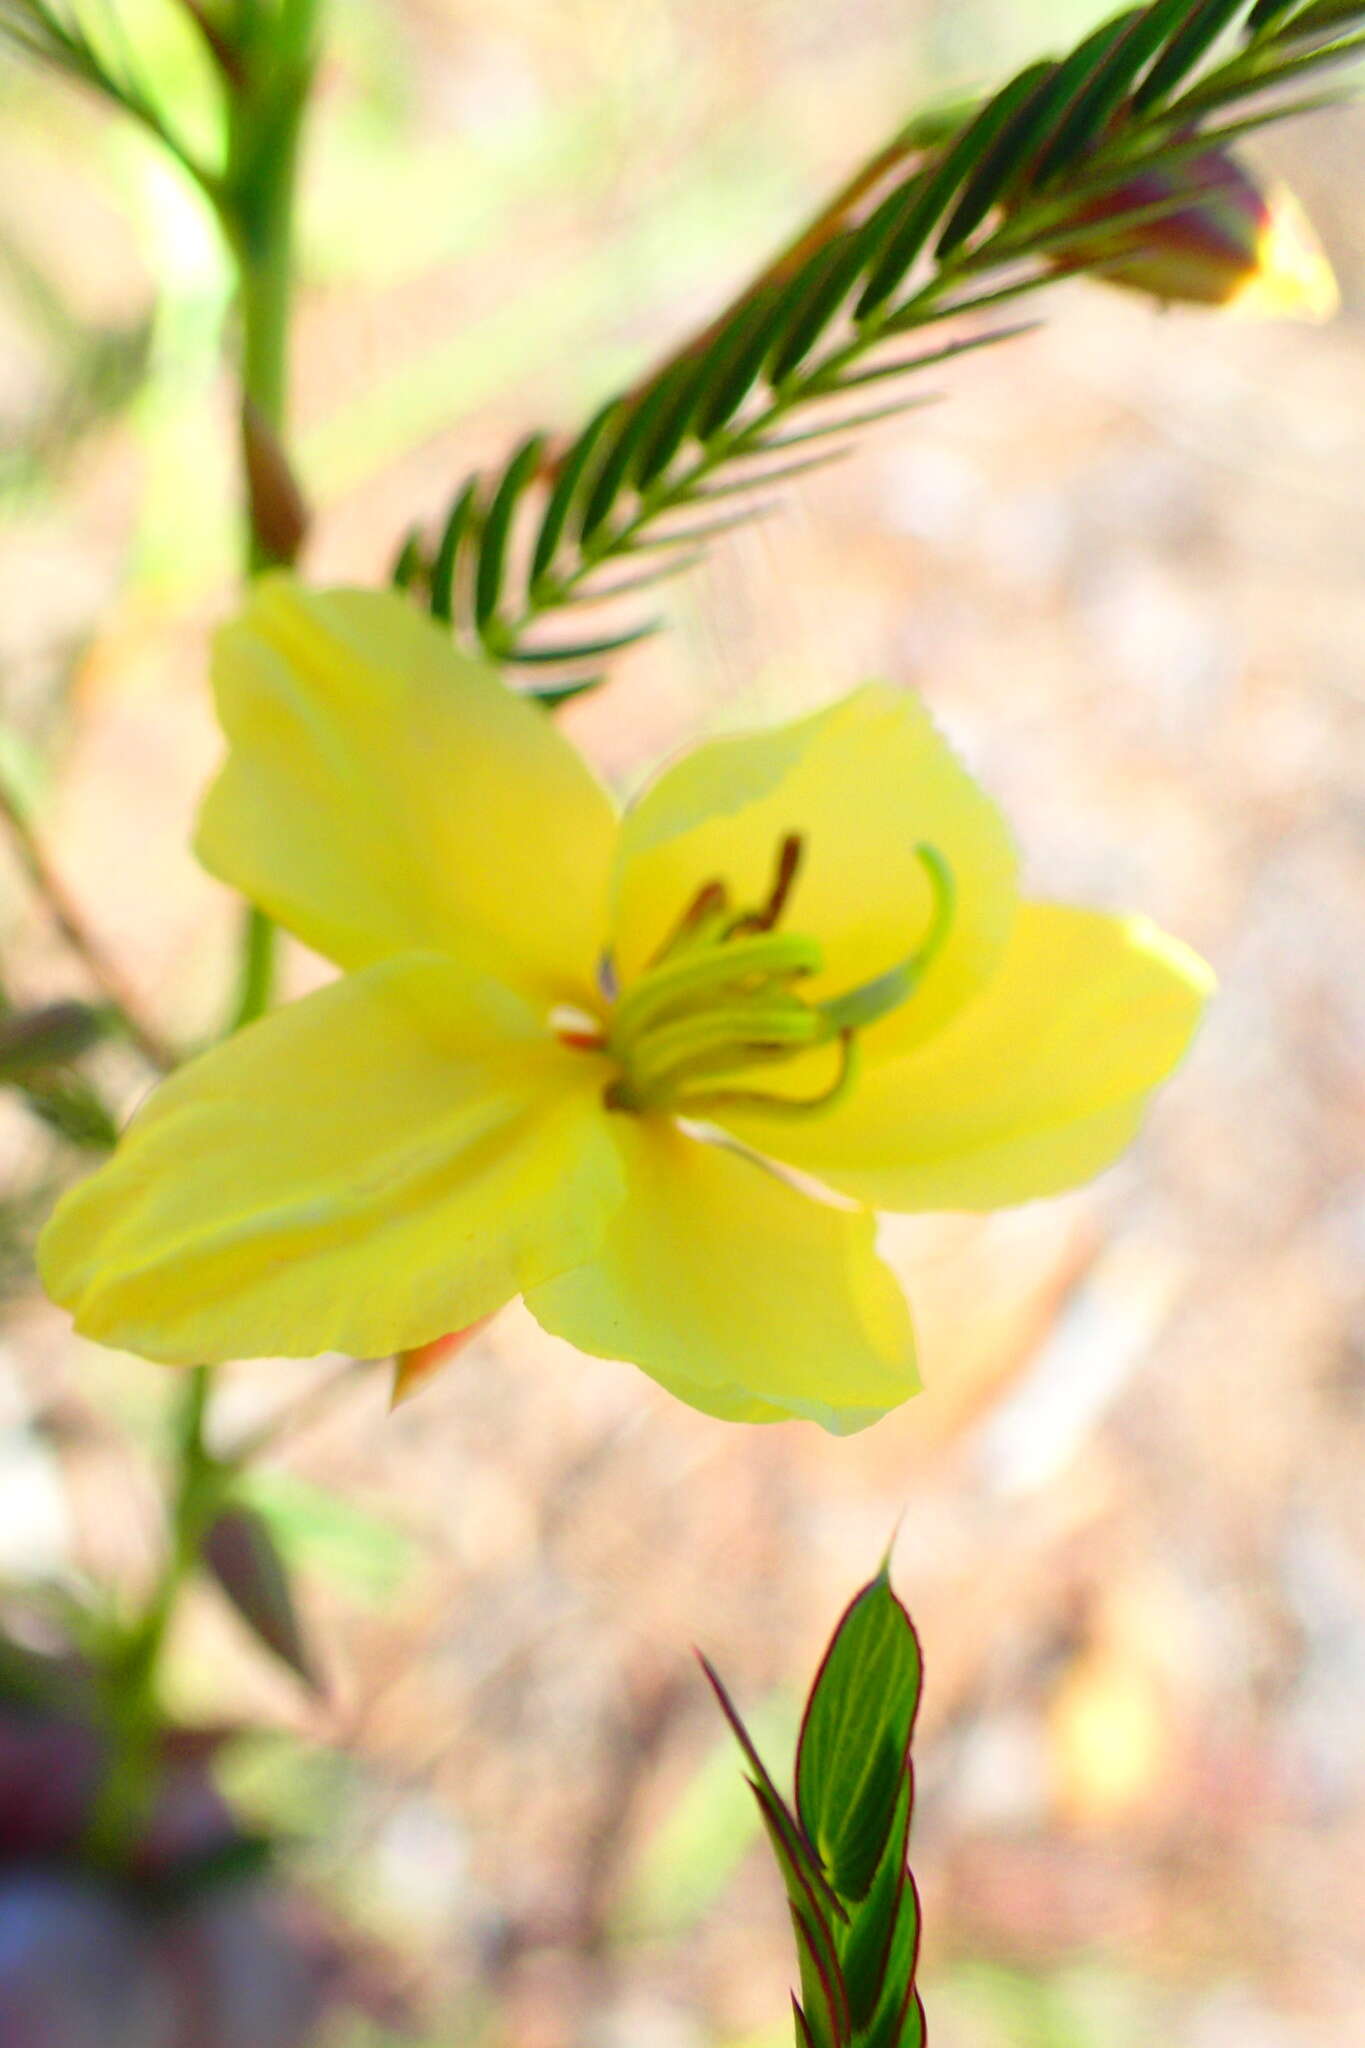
<point x="33" y="1041"/>
<point x="414" y="1368"/>
<point x="1239" y="244"/>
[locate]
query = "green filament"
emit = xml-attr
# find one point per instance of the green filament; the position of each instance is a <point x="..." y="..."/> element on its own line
<point x="720" y="998"/>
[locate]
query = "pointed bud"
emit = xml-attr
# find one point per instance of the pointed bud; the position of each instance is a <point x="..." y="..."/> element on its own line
<point x="413" y="1368"/>
<point x="33" y="1041"/>
<point x="243" y="1556"/>
<point x="1240" y="244"/>
<point x="275" y="503"/>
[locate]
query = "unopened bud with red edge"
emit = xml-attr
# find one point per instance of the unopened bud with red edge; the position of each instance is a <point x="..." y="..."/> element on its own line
<point x="413" y="1368"/>
<point x="1239" y="243"/>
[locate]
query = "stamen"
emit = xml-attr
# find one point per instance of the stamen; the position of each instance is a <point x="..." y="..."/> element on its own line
<point x="703" y="919"/>
<point x="720" y="996"/>
<point x="707" y="1101"/>
<point x="857" y="1008"/>
<point x="714" y="972"/>
<point x="758" y="1027"/>
<point x="789" y="857"/>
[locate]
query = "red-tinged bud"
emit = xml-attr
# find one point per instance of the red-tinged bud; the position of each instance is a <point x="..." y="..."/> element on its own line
<point x="413" y="1368"/>
<point x="1238" y="244"/>
<point x="33" y="1041"/>
<point x="275" y="503"/>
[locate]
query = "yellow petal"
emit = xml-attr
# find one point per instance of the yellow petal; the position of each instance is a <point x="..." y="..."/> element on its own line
<point x="362" y="1171"/>
<point x="742" y="1296"/>
<point x="863" y="783"/>
<point x="1036" y="1086"/>
<point x="384" y="793"/>
<point x="1293" y="278"/>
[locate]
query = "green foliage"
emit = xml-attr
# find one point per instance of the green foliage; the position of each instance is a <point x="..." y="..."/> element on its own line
<point x="842" y="1850"/>
<point x="991" y="206"/>
<point x="38" y="1049"/>
<point x="108" y="52"/>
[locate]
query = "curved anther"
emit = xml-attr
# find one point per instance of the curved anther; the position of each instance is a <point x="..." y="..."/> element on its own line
<point x="789" y="857"/>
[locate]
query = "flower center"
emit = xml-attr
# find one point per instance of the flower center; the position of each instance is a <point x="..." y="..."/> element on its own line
<point x="722" y="1000"/>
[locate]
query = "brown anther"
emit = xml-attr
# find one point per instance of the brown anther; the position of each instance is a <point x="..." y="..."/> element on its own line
<point x="789" y="856"/>
<point x="711" y="899"/>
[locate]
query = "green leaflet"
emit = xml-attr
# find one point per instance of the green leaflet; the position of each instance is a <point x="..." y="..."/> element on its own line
<point x="462" y="521"/>
<point x="573" y="469"/>
<point x="842" y="1851"/>
<point x="956" y="219"/>
<point x="497" y="527"/>
<point x="1200" y="29"/>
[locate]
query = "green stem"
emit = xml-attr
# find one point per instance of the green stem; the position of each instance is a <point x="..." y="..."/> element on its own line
<point x="267" y="120"/>
<point x="270" y="88"/>
<point x="128" y="1794"/>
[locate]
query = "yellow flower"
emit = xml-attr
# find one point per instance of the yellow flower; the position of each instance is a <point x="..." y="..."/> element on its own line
<point x="584" y="1057"/>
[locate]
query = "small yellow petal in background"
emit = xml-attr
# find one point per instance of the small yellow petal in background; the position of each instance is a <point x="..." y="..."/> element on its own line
<point x="1293" y="279"/>
<point x="385" y="793"/>
<point x="741" y="1295"/>
<point x="863" y="783"/>
<point x="362" y="1171"/>
<point x="1036" y="1086"/>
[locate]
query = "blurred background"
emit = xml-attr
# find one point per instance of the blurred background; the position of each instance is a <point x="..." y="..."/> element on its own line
<point x="1124" y="563"/>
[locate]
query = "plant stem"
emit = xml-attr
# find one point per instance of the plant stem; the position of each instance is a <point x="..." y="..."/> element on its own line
<point x="128" y="1794"/>
<point x="72" y="926"/>
<point x="270" y="86"/>
<point x="268" y="108"/>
